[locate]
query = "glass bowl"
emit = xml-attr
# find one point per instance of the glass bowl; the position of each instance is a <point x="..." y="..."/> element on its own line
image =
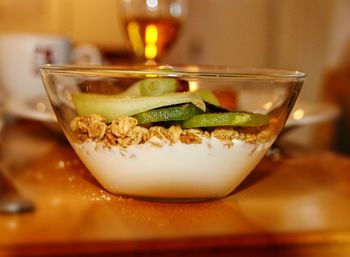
<point x="181" y="133"/>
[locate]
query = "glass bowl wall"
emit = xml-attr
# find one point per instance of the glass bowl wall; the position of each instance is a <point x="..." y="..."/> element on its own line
<point x="176" y="171"/>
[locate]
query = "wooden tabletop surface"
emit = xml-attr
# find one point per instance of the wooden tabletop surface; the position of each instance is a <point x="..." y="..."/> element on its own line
<point x="297" y="206"/>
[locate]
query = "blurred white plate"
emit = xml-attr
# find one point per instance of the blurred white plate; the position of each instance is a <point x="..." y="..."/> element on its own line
<point x="307" y="113"/>
<point x="38" y="108"/>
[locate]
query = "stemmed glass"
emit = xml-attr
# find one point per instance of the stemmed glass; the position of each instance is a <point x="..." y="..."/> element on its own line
<point x="152" y="26"/>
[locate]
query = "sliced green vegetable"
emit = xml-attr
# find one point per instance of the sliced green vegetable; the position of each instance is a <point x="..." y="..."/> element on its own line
<point x="173" y="113"/>
<point x="209" y="97"/>
<point x="157" y="86"/>
<point x="113" y="106"/>
<point x="239" y="119"/>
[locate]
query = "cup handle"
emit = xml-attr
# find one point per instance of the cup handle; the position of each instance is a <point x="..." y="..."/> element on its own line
<point x="86" y="54"/>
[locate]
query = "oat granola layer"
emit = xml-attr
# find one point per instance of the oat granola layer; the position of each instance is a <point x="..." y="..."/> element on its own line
<point x="124" y="131"/>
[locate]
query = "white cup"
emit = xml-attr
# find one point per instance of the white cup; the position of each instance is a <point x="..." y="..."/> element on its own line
<point x="21" y="54"/>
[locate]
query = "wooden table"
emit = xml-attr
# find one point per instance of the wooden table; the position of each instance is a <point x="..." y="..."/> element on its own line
<point x="298" y="206"/>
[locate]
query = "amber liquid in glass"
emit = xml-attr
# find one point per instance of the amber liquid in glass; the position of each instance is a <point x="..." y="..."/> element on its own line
<point x="150" y="38"/>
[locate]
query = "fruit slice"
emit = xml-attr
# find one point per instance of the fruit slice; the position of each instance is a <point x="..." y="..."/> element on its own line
<point x="151" y="87"/>
<point x="209" y="97"/>
<point x="113" y="106"/>
<point x="211" y="108"/>
<point x="173" y="113"/>
<point x="211" y="101"/>
<point x="239" y="119"/>
<point x="157" y="86"/>
<point x="133" y="90"/>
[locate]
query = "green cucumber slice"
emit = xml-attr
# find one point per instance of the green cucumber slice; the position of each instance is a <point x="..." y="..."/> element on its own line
<point x="173" y="113"/>
<point x="113" y="106"/>
<point x="157" y="86"/>
<point x="239" y="119"/>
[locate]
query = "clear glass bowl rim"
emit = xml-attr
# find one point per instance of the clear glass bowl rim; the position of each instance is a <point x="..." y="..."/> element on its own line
<point x="193" y="71"/>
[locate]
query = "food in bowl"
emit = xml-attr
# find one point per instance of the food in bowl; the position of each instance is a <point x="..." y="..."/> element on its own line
<point x="161" y="139"/>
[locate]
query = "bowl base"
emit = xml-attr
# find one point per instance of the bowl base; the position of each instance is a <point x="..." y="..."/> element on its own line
<point x="170" y="200"/>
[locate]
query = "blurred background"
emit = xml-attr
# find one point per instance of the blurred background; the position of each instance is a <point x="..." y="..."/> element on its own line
<point x="311" y="36"/>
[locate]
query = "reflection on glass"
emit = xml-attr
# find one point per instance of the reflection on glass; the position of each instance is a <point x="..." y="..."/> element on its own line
<point x="298" y="114"/>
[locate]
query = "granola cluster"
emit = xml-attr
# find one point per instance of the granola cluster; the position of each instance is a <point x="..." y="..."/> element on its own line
<point x="124" y="131"/>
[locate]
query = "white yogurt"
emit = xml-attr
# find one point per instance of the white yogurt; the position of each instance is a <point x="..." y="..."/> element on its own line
<point x="207" y="170"/>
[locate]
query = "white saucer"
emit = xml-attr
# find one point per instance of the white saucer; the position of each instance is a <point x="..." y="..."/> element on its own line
<point x="307" y="113"/>
<point x="37" y="108"/>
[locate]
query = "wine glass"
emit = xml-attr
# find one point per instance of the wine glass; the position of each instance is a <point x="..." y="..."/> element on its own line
<point x="152" y="26"/>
